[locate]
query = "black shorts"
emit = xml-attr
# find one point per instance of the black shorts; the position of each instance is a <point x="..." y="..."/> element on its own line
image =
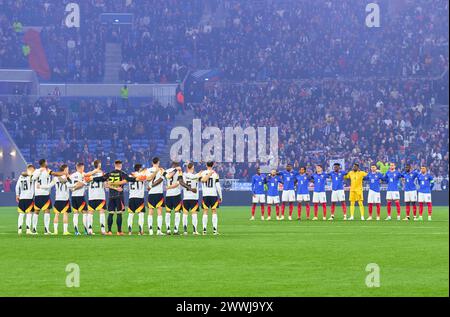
<point x="79" y="203"/>
<point x="96" y="204"/>
<point x="25" y="205"/>
<point x="173" y="203"/>
<point x="210" y="202"/>
<point x="62" y="207"/>
<point x="155" y="201"/>
<point x="136" y="205"/>
<point x="190" y="205"/>
<point x="116" y="204"/>
<point x="42" y="203"/>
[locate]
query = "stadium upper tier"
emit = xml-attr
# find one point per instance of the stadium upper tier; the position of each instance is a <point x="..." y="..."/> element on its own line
<point x="245" y="40"/>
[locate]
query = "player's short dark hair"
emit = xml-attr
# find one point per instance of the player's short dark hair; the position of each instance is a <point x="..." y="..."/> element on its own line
<point x="42" y="162"/>
<point x="210" y="163"/>
<point x="356" y="164"/>
<point x="137" y="167"/>
<point x="155" y="160"/>
<point x="190" y="165"/>
<point x="319" y="165"/>
<point x="373" y="164"/>
<point x="337" y="164"/>
<point x="63" y="167"/>
<point x="97" y="163"/>
<point x="79" y="164"/>
<point x="175" y="164"/>
<point x="117" y="162"/>
<point x="30" y="166"/>
<point x="304" y="167"/>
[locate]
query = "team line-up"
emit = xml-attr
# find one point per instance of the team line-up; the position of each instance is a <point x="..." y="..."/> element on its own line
<point x="295" y="188"/>
<point x="34" y="186"/>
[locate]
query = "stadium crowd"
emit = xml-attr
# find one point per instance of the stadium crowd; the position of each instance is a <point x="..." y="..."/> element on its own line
<point x="365" y="121"/>
<point x="257" y="41"/>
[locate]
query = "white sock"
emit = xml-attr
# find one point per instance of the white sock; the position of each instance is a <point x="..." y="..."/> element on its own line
<point x="130" y="221"/>
<point x="55" y="227"/>
<point x="159" y="221"/>
<point x="20" y="220"/>
<point x="177" y="221"/>
<point x="167" y="220"/>
<point x="90" y="220"/>
<point x="47" y="221"/>
<point x="149" y="221"/>
<point x="214" y="221"/>
<point x="75" y="222"/>
<point x="194" y="221"/>
<point x="102" y="221"/>
<point x="185" y="222"/>
<point x="205" y="222"/>
<point x="35" y="221"/>
<point x="85" y="221"/>
<point x="65" y="227"/>
<point x="28" y="220"/>
<point x="141" y="221"/>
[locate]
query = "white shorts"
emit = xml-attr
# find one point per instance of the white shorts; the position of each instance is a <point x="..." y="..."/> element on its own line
<point x="259" y="198"/>
<point x="337" y="195"/>
<point x="288" y="196"/>
<point x="272" y="200"/>
<point x="319" y="197"/>
<point x="410" y="196"/>
<point x="391" y="195"/>
<point x="424" y="198"/>
<point x="373" y="197"/>
<point x="303" y="197"/>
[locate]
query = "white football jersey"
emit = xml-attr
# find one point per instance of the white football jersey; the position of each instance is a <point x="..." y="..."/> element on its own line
<point x="62" y="188"/>
<point x="96" y="190"/>
<point x="209" y="188"/>
<point x="171" y="181"/>
<point x="158" y="189"/>
<point x="192" y="181"/>
<point x="25" y="187"/>
<point x="137" y="189"/>
<point x="75" y="178"/>
<point x="43" y="178"/>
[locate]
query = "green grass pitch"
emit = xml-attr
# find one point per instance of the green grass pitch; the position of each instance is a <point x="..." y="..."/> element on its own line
<point x="247" y="259"/>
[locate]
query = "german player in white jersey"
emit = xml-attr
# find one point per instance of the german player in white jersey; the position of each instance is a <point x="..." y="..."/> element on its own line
<point x="42" y="201"/>
<point x="136" y="199"/>
<point x="97" y="198"/>
<point x="190" y="198"/>
<point x="212" y="196"/>
<point x="174" y="182"/>
<point x="155" y="178"/>
<point x="62" y="198"/>
<point x="24" y="198"/>
<point x="78" y="201"/>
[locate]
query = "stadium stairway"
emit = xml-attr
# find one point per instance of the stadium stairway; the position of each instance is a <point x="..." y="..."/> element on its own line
<point x="113" y="60"/>
<point x="180" y="120"/>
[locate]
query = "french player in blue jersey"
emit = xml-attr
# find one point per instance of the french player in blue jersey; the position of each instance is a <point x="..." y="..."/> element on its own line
<point x="426" y="184"/>
<point x="288" y="194"/>
<point x="272" y="181"/>
<point x="302" y="181"/>
<point x="392" y="178"/>
<point x="319" y="195"/>
<point x="374" y="177"/>
<point x="337" y="189"/>
<point x="258" y="192"/>
<point x="410" y="176"/>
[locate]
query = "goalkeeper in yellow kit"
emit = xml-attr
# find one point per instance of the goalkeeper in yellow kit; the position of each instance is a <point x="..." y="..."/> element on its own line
<point x="356" y="177"/>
